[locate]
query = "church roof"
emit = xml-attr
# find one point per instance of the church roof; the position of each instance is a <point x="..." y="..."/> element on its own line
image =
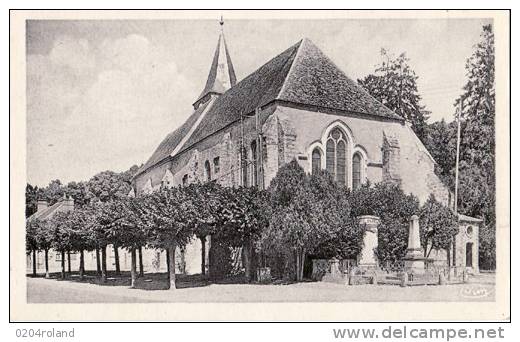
<point x="301" y="75"/>
<point x="221" y="74"/>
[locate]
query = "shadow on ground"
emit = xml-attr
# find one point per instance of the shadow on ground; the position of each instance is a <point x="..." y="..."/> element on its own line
<point x="150" y="281"/>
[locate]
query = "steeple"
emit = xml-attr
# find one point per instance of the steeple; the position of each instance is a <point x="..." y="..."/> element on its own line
<point x="221" y="74"/>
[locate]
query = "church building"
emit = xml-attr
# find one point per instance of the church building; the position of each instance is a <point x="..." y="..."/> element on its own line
<point x="299" y="105"/>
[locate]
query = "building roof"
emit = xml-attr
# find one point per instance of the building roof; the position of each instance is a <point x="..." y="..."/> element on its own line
<point x="302" y="75"/>
<point x="221" y="73"/>
<point x="465" y="218"/>
<point x="172" y="140"/>
<point x="48" y="212"/>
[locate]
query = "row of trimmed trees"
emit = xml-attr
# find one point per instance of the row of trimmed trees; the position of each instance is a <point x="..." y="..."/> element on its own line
<point x="297" y="217"/>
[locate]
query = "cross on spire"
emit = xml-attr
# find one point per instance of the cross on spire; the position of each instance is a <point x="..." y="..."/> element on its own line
<point x="222" y="74"/>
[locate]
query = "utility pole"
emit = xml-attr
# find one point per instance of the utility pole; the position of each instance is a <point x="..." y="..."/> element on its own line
<point x="241" y="153"/>
<point x="259" y="159"/>
<point x="459" y="114"/>
<point x="455" y="206"/>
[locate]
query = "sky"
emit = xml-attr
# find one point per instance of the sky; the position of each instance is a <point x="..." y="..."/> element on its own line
<point x="101" y="95"/>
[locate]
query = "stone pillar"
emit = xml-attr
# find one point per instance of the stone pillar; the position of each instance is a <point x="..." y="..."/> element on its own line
<point x="414" y="260"/>
<point x="367" y="258"/>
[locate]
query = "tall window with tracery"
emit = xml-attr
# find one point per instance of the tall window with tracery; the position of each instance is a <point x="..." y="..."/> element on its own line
<point x="336" y="156"/>
<point x="254" y="166"/>
<point x="316" y="160"/>
<point x="356" y="171"/>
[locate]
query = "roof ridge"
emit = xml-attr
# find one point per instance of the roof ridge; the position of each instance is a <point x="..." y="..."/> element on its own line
<point x="311" y="49"/>
<point x="193" y="128"/>
<point x="291" y="68"/>
<point x="46" y="211"/>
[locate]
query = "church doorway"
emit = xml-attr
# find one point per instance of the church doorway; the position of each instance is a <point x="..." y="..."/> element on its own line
<point x="469" y="254"/>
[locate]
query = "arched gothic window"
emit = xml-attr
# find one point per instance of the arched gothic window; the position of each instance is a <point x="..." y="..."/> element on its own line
<point x="316" y="160"/>
<point x="336" y="156"/>
<point x="254" y="167"/>
<point x="356" y="171"/>
<point x="207" y="167"/>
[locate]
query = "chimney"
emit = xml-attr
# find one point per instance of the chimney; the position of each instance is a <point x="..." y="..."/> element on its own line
<point x="42" y="205"/>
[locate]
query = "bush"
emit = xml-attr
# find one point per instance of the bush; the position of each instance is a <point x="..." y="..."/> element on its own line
<point x="394" y="208"/>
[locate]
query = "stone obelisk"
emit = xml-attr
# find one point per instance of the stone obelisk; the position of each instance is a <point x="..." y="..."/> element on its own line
<point x="414" y="260"/>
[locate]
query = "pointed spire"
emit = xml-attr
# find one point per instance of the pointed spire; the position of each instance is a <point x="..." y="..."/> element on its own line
<point x="221" y="74"/>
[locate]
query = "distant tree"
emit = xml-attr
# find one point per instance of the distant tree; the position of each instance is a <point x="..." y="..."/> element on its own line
<point x="441" y="144"/>
<point x="79" y="236"/>
<point x="245" y="215"/>
<point x="394" y="84"/>
<point x="438" y="226"/>
<point x="299" y="223"/>
<point x="123" y="227"/>
<point x="78" y="192"/>
<point x="127" y="175"/>
<point x="207" y="204"/>
<point x="32" y="194"/>
<point x="53" y="192"/>
<point x="31" y="240"/>
<point x="344" y="239"/>
<point x="487" y="247"/>
<point x="44" y="242"/>
<point x="107" y="186"/>
<point x="60" y="230"/>
<point x="100" y="218"/>
<point x="477" y="159"/>
<point x="165" y="224"/>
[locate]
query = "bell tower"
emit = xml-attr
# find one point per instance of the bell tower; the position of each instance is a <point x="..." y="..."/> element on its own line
<point x="221" y="74"/>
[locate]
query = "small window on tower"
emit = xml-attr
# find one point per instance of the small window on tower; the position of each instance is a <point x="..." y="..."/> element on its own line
<point x="207" y="167"/>
<point x="216" y="164"/>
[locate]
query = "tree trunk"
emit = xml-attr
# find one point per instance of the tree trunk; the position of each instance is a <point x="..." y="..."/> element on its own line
<point x="428" y="255"/>
<point x="246" y="248"/>
<point x="171" y="262"/>
<point x="34" y="262"/>
<point x="133" y="271"/>
<point x="203" y="254"/>
<point x="297" y="267"/>
<point x="62" y="264"/>
<point x="81" y="264"/>
<point x="104" y="264"/>
<point x="116" y="257"/>
<point x="68" y="263"/>
<point x="47" y="264"/>
<point x="300" y="259"/>
<point x="141" y="268"/>
<point x="168" y="261"/>
<point x="302" y="263"/>
<point x="98" y="262"/>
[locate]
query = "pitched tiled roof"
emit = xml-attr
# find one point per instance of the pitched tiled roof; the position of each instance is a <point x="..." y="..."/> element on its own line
<point x="168" y="145"/>
<point x="216" y="74"/>
<point x="302" y="74"/>
<point x="47" y="212"/>
<point x="466" y="218"/>
<point x="315" y="80"/>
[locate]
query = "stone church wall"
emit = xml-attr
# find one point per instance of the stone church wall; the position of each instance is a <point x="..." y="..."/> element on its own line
<point x="408" y="162"/>
<point x="393" y="151"/>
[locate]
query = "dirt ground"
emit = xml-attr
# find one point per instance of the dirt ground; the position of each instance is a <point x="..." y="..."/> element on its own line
<point x="153" y="288"/>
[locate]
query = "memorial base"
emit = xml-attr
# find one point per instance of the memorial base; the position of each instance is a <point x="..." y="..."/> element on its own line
<point x="415" y="265"/>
